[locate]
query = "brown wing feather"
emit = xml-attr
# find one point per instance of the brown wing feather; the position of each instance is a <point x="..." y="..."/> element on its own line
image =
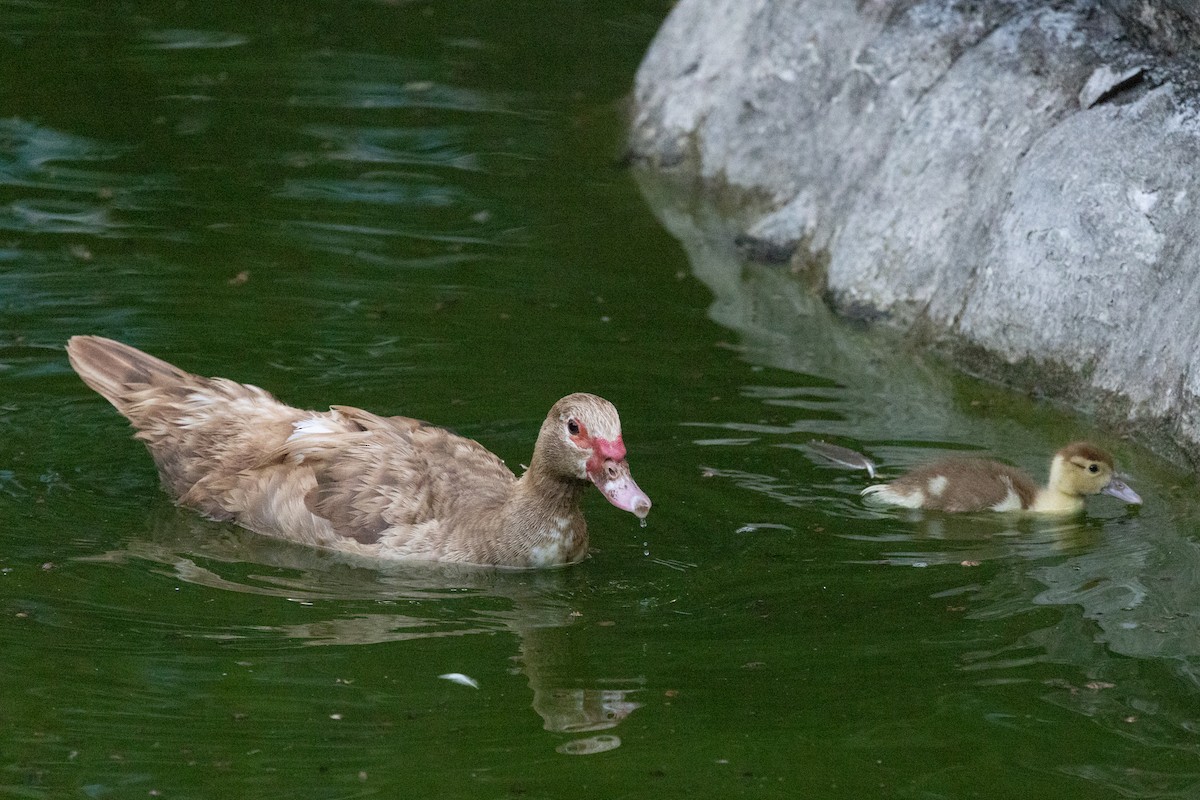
<point x="399" y="478"/>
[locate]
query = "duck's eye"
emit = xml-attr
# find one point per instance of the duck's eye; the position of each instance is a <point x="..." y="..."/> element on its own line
<point x="1093" y="468"/>
<point x="572" y="427"/>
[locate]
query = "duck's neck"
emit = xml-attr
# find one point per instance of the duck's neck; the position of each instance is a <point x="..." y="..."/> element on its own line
<point x="1053" y="501"/>
<point x="543" y="521"/>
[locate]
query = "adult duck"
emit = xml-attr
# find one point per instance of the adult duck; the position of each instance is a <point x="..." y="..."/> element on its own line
<point x="973" y="484"/>
<point x="348" y="480"/>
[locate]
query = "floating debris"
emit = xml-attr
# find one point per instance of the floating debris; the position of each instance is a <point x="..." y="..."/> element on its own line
<point x="842" y="456"/>
<point x="459" y="678"/>
<point x="1097" y="686"/>
<point x="751" y="527"/>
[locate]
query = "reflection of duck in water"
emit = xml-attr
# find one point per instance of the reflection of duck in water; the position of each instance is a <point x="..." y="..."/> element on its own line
<point x="974" y="484"/>
<point x="348" y="480"/>
<point x="582" y="710"/>
<point x="401" y="606"/>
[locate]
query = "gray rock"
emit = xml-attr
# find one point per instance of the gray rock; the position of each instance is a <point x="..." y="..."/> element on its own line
<point x="1012" y="183"/>
<point x="1105" y="83"/>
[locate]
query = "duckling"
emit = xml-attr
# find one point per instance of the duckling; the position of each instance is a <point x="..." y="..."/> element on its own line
<point x="973" y="484"/>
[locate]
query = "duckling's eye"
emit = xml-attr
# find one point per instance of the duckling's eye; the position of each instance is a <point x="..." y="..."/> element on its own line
<point x="572" y="427"/>
<point x="1093" y="468"/>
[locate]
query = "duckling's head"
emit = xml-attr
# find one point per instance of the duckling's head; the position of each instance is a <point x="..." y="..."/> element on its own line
<point x="1080" y="469"/>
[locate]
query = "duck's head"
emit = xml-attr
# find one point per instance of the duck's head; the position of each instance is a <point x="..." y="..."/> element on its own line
<point x="1081" y="469"/>
<point x="581" y="440"/>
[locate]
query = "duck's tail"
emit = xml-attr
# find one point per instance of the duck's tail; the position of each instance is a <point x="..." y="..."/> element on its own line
<point x="120" y="373"/>
<point x="198" y="430"/>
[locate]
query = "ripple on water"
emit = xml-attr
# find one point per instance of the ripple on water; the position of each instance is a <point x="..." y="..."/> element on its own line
<point x="306" y="596"/>
<point x="57" y="216"/>
<point x="377" y="189"/>
<point x="414" y="146"/>
<point x="192" y="39"/>
<point x="325" y="82"/>
<point x="57" y="189"/>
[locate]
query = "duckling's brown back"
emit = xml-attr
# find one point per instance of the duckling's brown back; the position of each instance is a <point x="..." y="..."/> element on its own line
<point x="968" y="484"/>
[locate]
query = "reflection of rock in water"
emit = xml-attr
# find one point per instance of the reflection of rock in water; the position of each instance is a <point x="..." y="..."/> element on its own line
<point x="866" y="385"/>
<point x="1139" y="590"/>
<point x="1127" y="611"/>
<point x="463" y="600"/>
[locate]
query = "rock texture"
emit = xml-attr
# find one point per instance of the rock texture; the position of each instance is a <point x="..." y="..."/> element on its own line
<point x="1015" y="183"/>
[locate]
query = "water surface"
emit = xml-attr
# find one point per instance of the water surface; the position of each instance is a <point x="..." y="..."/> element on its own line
<point x="416" y="207"/>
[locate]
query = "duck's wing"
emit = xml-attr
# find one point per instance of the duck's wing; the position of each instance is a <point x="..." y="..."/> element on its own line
<point x="398" y="479"/>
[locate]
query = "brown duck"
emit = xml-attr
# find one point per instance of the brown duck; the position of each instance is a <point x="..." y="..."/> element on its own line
<point x="348" y="480"/>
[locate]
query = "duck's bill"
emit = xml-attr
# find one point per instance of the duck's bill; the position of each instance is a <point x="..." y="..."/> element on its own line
<point x="1120" y="490"/>
<point x="615" y="483"/>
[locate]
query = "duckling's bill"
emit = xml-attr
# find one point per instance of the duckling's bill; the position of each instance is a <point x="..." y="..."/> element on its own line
<point x="1120" y="490"/>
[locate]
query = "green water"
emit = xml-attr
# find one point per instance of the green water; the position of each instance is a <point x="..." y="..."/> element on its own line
<point x="415" y="207"/>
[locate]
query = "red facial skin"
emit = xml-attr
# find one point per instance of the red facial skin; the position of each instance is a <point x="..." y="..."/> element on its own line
<point x="602" y="449"/>
<point x="606" y="467"/>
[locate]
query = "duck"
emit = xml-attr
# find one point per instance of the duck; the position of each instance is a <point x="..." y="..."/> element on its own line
<point x="964" y="484"/>
<point x="391" y="488"/>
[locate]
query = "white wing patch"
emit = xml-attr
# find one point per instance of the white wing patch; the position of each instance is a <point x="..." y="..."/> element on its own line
<point x="1011" y="501"/>
<point x="937" y="485"/>
<point x="204" y="399"/>
<point x="884" y="494"/>
<point x="313" y="426"/>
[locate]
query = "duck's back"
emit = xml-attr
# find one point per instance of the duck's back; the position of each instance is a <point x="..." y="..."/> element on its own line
<point x="392" y="483"/>
<point x="959" y="485"/>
